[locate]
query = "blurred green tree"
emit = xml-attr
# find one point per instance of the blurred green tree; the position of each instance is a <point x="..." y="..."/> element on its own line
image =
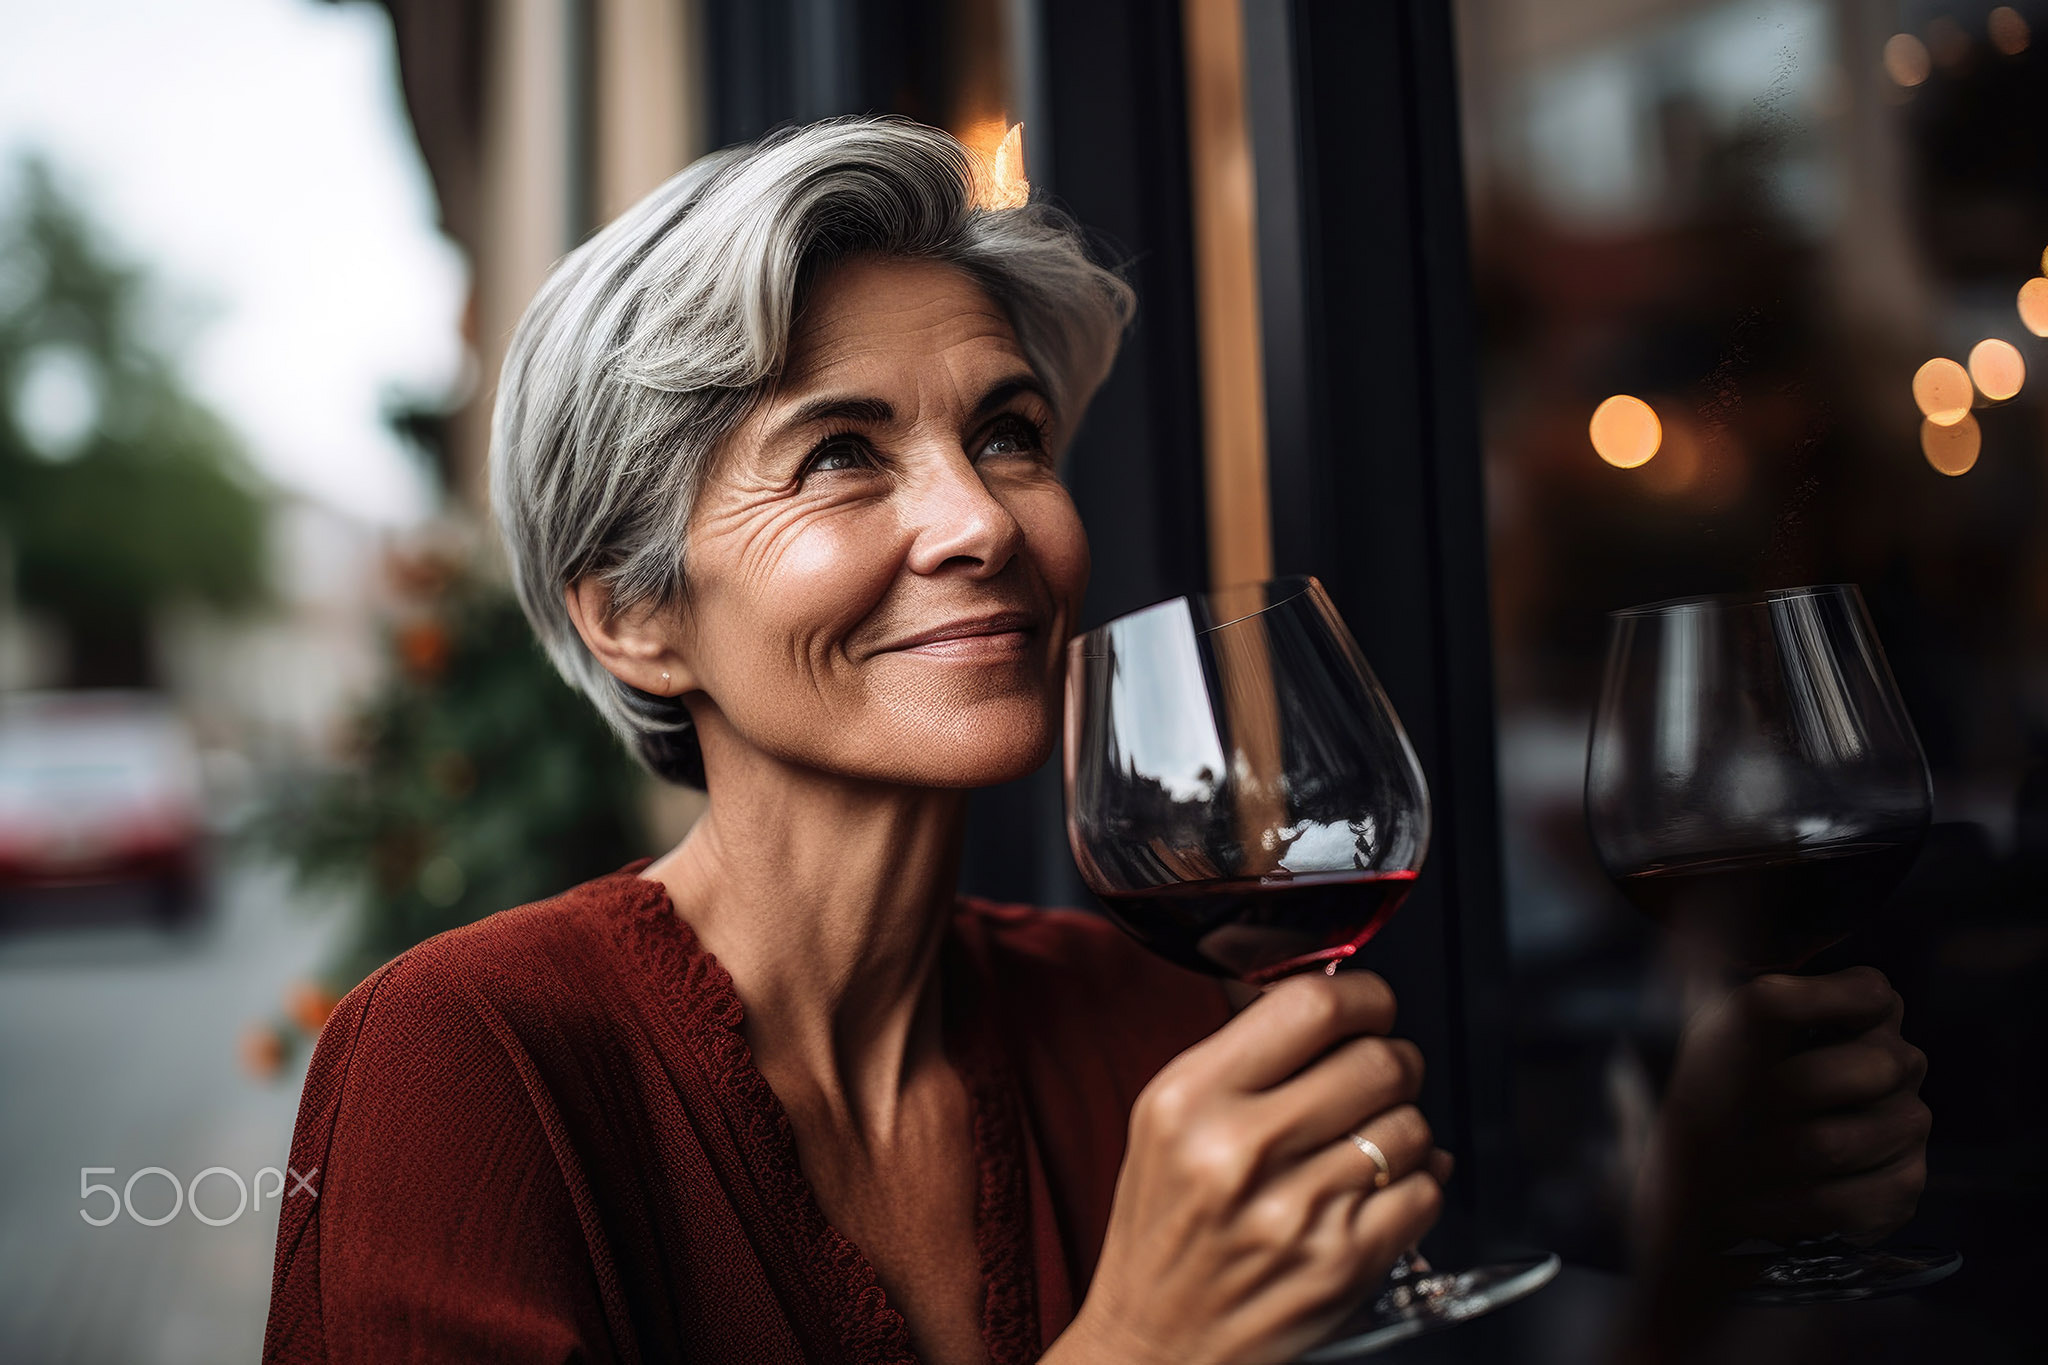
<point x="119" y="490"/>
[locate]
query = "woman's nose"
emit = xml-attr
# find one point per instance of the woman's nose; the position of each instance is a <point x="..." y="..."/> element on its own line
<point x="958" y="521"/>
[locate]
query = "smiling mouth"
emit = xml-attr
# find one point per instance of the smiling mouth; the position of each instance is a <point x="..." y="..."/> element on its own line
<point x="1002" y="636"/>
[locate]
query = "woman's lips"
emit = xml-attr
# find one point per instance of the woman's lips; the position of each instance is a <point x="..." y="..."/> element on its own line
<point x="996" y="645"/>
<point x="1003" y="635"/>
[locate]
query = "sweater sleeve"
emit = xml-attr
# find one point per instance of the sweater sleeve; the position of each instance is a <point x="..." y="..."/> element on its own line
<point x="445" y="1224"/>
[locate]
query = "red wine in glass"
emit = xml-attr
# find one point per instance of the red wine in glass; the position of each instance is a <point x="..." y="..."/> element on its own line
<point x="1261" y="929"/>
<point x="1773" y="910"/>
<point x="1243" y="799"/>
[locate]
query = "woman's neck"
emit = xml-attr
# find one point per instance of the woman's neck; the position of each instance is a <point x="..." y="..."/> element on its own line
<point x="827" y="901"/>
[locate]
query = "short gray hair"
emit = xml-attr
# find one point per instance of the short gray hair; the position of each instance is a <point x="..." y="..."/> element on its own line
<point x="649" y="343"/>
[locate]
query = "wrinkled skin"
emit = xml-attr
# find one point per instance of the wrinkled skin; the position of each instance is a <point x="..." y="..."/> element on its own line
<point x="823" y="541"/>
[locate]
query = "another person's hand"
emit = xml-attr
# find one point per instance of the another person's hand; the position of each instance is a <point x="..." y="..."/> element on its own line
<point x="1247" y="1223"/>
<point x="1794" y="1114"/>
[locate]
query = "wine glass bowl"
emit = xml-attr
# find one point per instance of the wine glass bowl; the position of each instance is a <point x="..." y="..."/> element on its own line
<point x="1753" y="780"/>
<point x="1222" y="749"/>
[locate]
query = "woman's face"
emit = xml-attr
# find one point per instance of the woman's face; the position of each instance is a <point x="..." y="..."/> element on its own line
<point x="883" y="568"/>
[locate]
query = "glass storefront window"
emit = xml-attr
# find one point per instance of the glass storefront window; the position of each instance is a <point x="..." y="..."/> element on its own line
<point x="1761" y="300"/>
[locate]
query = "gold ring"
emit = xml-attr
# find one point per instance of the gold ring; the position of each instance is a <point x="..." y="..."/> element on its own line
<point x="1385" y="1175"/>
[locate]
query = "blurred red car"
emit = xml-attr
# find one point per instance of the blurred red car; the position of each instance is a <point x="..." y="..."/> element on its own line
<point x="98" y="788"/>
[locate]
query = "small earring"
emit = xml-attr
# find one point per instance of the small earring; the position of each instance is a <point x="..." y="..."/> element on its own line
<point x="664" y="680"/>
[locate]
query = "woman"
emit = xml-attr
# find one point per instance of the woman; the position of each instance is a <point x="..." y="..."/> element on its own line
<point x="774" y="458"/>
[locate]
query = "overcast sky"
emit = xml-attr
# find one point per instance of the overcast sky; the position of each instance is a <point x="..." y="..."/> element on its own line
<point x="256" y="155"/>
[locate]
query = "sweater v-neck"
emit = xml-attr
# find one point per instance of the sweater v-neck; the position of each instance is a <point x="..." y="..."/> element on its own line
<point x="836" y="1272"/>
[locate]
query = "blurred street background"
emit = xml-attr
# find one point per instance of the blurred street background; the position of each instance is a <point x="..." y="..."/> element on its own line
<point x="253" y="670"/>
<point x="119" y="1048"/>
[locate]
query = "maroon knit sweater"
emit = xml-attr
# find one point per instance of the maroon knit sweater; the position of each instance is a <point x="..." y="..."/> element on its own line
<point x="543" y="1138"/>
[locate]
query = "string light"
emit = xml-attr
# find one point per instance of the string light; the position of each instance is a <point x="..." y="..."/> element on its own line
<point x="1625" y="431"/>
<point x="1942" y="389"/>
<point x="1951" y="449"/>
<point x="2034" y="305"/>
<point x="1998" y="369"/>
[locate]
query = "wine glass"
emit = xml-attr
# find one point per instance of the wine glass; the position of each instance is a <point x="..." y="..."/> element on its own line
<point x="1243" y="799"/>
<point x="1754" y="784"/>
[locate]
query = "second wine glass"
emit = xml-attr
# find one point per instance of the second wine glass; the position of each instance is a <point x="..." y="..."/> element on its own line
<point x="1753" y="782"/>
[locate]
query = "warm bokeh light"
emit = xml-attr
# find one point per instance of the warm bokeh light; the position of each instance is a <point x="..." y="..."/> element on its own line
<point x="1942" y="389"/>
<point x="1906" y="60"/>
<point x="2034" y="305"/>
<point x="1998" y="369"/>
<point x="1625" y="431"/>
<point x="2009" y="31"/>
<point x="1951" y="449"/>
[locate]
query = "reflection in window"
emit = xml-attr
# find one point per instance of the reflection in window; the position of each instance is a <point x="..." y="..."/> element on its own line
<point x="1763" y="305"/>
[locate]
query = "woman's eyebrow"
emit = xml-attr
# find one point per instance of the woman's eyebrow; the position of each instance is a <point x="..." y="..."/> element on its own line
<point x="878" y="412"/>
<point x="836" y="408"/>
<point x="1007" y="389"/>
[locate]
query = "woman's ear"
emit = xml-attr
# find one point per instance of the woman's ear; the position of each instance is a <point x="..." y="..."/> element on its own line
<point x="639" y="646"/>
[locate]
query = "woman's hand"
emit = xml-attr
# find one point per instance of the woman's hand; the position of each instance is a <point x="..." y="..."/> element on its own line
<point x="1247" y="1223"/>
<point x="1794" y="1113"/>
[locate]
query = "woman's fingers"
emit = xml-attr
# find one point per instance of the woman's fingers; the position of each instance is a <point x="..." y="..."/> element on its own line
<point x="1339" y="1092"/>
<point x="1389" y="1221"/>
<point x="1860" y="1072"/>
<point x="1855" y="1141"/>
<point x="1246" y="1219"/>
<point x="1403" y="1140"/>
<point x="1292" y="1024"/>
<point x="1333" y="1208"/>
<point x="1794" y="1012"/>
<point x="1343" y="1172"/>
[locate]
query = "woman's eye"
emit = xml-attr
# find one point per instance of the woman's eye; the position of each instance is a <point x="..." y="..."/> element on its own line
<point x="1014" y="435"/>
<point x="838" y="453"/>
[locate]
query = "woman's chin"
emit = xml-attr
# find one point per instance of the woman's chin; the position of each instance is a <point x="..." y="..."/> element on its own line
<point x="966" y="766"/>
<point x="984" y="747"/>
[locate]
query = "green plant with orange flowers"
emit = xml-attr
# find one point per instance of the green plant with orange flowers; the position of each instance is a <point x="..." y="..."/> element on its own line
<point x="477" y="780"/>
